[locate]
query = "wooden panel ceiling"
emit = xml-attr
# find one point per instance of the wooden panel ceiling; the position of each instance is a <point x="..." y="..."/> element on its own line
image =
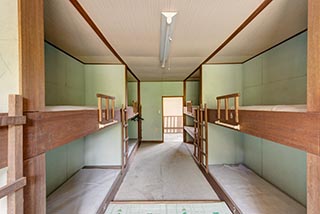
<point x="66" y="29"/>
<point x="279" y="21"/>
<point x="133" y="29"/>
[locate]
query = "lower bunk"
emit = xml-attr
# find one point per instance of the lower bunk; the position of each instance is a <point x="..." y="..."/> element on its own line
<point x="250" y="193"/>
<point x="85" y="192"/>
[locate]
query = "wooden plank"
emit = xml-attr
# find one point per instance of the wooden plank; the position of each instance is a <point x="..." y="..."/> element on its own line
<point x="313" y="64"/>
<point x="32" y="54"/>
<point x="228" y="96"/>
<point x="3" y="146"/>
<point x="13" y="120"/>
<point x="295" y="129"/>
<point x="15" y="154"/>
<point x="35" y="191"/>
<point x="313" y="184"/>
<point x="18" y="184"/>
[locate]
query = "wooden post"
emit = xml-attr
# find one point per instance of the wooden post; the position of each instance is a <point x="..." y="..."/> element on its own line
<point x="313" y="183"/>
<point x="15" y="155"/>
<point x="100" y="109"/>
<point x="112" y="110"/>
<point x="226" y="106"/>
<point x="107" y="109"/>
<point x="236" y="108"/>
<point x="313" y="102"/>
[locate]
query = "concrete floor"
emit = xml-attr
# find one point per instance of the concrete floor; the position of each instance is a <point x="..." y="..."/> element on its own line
<point x="165" y="171"/>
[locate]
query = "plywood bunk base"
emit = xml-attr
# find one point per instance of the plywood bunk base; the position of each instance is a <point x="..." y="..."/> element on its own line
<point x="189" y="130"/>
<point x="132" y="144"/>
<point x="84" y="192"/>
<point x="250" y="193"/>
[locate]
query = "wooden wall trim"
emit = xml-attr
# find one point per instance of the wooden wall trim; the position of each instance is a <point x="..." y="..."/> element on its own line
<point x="313" y="62"/>
<point x="32" y="69"/>
<point x="261" y="7"/>
<point x="95" y="28"/>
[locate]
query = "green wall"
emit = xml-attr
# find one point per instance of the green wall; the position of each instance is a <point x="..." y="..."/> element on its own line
<point x="132" y="96"/>
<point x="151" y="102"/>
<point x="65" y="78"/>
<point x="104" y="147"/>
<point x="105" y="79"/>
<point x="225" y="145"/>
<point x="63" y="162"/>
<point x="193" y="91"/>
<point x="69" y="82"/>
<point x="277" y="77"/>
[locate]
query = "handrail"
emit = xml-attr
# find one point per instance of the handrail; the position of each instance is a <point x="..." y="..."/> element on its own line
<point x="226" y="98"/>
<point x="15" y="180"/>
<point x="104" y="113"/>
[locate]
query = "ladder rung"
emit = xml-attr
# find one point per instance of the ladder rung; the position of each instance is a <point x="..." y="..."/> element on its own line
<point x="125" y="125"/>
<point x="126" y="139"/>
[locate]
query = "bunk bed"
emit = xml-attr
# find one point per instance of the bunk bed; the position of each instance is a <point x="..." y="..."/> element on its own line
<point x="285" y="124"/>
<point x="290" y="125"/>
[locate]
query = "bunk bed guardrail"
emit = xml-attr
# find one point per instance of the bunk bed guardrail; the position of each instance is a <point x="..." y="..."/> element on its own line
<point x="15" y="179"/>
<point x="228" y="117"/>
<point x="106" y="113"/>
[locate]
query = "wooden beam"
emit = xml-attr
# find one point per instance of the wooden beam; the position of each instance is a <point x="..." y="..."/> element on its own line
<point x="35" y="191"/>
<point x="15" y="154"/>
<point x="32" y="69"/>
<point x="13" y="120"/>
<point x="18" y="184"/>
<point x="313" y="75"/>
<point x="313" y="184"/>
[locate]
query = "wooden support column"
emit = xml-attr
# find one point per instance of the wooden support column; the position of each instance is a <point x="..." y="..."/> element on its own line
<point x="313" y="102"/>
<point x="313" y="76"/>
<point x="313" y="181"/>
<point x="15" y="155"/>
<point x="35" y="191"/>
<point x="32" y="76"/>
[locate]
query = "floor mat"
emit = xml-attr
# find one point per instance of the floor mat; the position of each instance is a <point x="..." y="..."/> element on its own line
<point x="163" y="208"/>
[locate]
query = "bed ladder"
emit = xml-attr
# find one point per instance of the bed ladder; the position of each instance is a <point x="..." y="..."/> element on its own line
<point x="196" y="122"/>
<point x="124" y="137"/>
<point x="203" y="137"/>
<point x="14" y="189"/>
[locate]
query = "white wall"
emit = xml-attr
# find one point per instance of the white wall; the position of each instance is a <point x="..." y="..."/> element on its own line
<point x="9" y="65"/>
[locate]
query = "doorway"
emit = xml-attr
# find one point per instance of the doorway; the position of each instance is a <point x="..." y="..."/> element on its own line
<point x="172" y="119"/>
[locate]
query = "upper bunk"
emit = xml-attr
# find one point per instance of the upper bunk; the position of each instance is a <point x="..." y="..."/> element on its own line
<point x="59" y="125"/>
<point x="290" y="125"/>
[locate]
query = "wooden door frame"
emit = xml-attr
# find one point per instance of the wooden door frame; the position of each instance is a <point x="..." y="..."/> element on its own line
<point x="182" y="97"/>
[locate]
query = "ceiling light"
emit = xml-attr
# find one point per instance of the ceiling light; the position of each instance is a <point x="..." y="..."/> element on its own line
<point x="167" y="24"/>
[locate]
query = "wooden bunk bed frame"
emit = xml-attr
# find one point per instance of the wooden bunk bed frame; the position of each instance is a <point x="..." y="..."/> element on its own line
<point x="15" y="179"/>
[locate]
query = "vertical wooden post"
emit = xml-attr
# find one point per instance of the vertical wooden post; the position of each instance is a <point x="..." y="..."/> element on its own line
<point x="31" y="38"/>
<point x="226" y="105"/>
<point x="219" y="108"/>
<point x="313" y="76"/>
<point x="15" y="155"/>
<point x="236" y="108"/>
<point x="313" y="102"/>
<point x="112" y="110"/>
<point x="313" y="183"/>
<point x="100" y="109"/>
<point x="107" y="109"/>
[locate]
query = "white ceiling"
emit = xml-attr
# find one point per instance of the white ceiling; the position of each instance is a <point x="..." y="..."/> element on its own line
<point x="66" y="29"/>
<point x="280" y="20"/>
<point x="133" y="30"/>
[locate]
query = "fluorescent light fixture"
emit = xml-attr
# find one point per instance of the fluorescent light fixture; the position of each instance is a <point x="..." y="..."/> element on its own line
<point x="167" y="24"/>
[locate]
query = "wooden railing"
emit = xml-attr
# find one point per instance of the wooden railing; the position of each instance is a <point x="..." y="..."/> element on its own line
<point x="14" y="189"/>
<point x="231" y="116"/>
<point x="106" y="113"/>
<point x="173" y="124"/>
